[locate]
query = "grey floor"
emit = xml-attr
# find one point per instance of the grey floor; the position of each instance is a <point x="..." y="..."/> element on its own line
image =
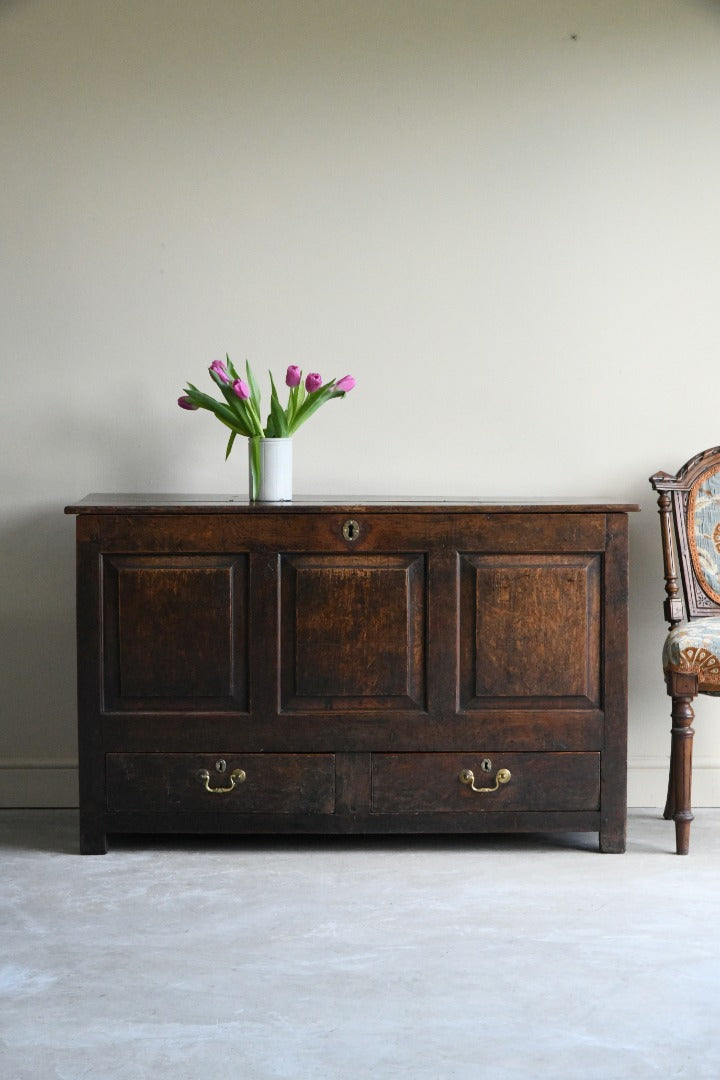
<point x="509" y="957"/>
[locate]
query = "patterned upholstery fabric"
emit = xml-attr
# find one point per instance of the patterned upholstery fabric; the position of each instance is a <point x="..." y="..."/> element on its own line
<point x="695" y="646"/>
<point x="704" y="533"/>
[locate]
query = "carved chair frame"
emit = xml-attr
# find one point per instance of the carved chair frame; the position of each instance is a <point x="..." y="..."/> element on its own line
<point x="676" y="506"/>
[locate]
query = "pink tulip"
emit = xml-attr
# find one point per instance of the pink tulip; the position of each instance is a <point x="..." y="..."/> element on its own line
<point x="313" y="382"/>
<point x="185" y="403"/>
<point x="293" y="376"/>
<point x="346" y="383"/>
<point x="220" y="370"/>
<point x="241" y="388"/>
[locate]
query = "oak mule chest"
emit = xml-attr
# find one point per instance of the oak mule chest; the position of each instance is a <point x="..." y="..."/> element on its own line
<point x="321" y="666"/>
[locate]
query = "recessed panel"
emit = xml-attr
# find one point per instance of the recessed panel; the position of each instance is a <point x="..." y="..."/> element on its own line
<point x="530" y="629"/>
<point x="353" y="631"/>
<point x="175" y="632"/>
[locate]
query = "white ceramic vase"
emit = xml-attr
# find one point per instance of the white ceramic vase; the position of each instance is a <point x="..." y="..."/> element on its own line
<point x="270" y="469"/>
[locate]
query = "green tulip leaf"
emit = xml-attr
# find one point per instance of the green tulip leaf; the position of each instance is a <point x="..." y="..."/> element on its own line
<point x="255" y="466"/>
<point x="254" y="388"/>
<point x="231" y="369"/>
<point x="226" y="415"/>
<point x="313" y="402"/>
<point x="277" y="413"/>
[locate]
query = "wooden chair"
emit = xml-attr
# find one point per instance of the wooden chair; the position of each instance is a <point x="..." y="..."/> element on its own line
<point x="689" y="507"/>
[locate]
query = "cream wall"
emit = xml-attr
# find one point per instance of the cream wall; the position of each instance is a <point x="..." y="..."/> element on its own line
<point x="500" y="215"/>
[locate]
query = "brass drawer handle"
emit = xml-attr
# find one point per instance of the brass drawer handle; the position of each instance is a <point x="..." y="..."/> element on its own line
<point x="467" y="776"/>
<point x="237" y="776"/>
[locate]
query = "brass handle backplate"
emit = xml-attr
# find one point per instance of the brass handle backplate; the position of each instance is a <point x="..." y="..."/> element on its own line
<point x="467" y="776"/>
<point x="237" y="776"/>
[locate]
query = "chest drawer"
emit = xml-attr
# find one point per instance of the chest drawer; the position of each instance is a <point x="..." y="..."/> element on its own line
<point x="414" y="783"/>
<point x="222" y="782"/>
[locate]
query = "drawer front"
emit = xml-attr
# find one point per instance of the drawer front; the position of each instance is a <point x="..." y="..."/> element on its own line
<point x="417" y="783"/>
<point x="222" y="782"/>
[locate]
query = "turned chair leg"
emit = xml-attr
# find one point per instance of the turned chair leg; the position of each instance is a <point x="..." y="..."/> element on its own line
<point x="670" y="801"/>
<point x="679" y="791"/>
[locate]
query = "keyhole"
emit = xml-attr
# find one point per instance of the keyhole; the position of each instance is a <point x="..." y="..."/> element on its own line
<point x="220" y="765"/>
<point x="351" y="530"/>
<point x="486" y="765"/>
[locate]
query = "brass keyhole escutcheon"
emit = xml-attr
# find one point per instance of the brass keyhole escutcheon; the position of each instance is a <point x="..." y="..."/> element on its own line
<point x="486" y="765"/>
<point x="351" y="530"/>
<point x="220" y="765"/>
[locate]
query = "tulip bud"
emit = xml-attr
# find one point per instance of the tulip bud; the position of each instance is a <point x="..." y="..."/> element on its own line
<point x="241" y="388"/>
<point x="220" y="370"/>
<point x="313" y="382"/>
<point x="185" y="403"/>
<point x="293" y="376"/>
<point x="346" y="383"/>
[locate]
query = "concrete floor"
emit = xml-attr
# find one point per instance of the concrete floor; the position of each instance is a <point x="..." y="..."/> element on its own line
<point x="516" y="958"/>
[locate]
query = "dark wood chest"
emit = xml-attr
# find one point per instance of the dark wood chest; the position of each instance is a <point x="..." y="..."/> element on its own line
<point x="356" y="667"/>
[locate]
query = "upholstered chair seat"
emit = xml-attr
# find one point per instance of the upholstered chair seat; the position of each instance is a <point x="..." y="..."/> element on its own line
<point x="695" y="647"/>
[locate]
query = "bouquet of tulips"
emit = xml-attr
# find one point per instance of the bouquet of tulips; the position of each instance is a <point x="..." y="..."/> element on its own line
<point x="240" y="408"/>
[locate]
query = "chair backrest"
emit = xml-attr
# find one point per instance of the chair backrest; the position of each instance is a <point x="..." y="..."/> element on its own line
<point x="689" y="507"/>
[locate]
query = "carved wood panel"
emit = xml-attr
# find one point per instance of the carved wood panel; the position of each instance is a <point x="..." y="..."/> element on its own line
<point x="530" y="630"/>
<point x="353" y="631"/>
<point x="175" y="632"/>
